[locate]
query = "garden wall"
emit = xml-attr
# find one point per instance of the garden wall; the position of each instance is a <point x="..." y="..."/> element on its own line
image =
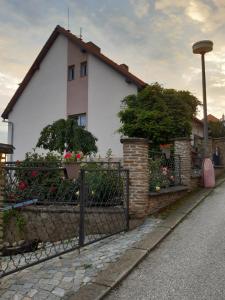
<point x="162" y="199"/>
<point x="54" y="223"/>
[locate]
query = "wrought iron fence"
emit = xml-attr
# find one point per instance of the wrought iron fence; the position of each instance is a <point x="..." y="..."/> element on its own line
<point x="196" y="163"/>
<point x="164" y="171"/>
<point x="46" y="214"/>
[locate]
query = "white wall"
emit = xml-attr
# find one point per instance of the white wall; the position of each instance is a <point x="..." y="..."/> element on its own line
<point x="43" y="100"/>
<point x="106" y="89"/>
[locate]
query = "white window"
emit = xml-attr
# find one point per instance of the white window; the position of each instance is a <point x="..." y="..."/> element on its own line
<point x="71" y="73"/>
<point x="83" y="69"/>
<point x="80" y="119"/>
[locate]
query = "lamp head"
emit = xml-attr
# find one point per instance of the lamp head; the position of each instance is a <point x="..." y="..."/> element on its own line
<point x="202" y="47"/>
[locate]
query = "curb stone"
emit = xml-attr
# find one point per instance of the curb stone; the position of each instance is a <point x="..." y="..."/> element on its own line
<point x="108" y="279"/>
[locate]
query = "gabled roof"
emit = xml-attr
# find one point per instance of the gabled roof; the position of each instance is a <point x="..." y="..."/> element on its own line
<point x="88" y="47"/>
<point x="212" y="118"/>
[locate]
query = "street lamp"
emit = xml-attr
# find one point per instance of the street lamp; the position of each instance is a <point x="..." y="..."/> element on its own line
<point x="203" y="47"/>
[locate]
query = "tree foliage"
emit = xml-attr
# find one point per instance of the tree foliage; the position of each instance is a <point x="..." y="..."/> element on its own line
<point x="216" y="129"/>
<point x="158" y="114"/>
<point x="54" y="137"/>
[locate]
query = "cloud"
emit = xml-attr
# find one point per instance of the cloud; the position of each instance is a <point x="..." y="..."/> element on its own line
<point x="198" y="11"/>
<point x="141" y="7"/>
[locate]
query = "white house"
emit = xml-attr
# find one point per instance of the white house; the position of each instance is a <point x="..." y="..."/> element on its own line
<point x="70" y="78"/>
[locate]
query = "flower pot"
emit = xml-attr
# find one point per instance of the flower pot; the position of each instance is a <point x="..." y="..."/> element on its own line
<point x="73" y="170"/>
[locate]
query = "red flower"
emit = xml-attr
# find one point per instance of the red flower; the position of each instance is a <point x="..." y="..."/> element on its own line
<point x="22" y="185"/>
<point x="68" y="155"/>
<point x="52" y="189"/>
<point x="34" y="173"/>
<point x="78" y="156"/>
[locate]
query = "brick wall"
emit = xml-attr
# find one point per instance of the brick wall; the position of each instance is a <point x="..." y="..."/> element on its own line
<point x="135" y="152"/>
<point x="162" y="200"/>
<point x="182" y="147"/>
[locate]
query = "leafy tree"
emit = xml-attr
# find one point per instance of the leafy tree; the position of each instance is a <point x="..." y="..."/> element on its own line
<point x="54" y="137"/>
<point x="158" y="114"/>
<point x="216" y="129"/>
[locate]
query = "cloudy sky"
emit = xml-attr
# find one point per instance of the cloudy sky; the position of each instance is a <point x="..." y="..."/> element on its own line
<point x="153" y="37"/>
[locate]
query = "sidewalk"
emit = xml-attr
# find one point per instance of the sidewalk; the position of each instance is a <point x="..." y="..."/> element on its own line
<point x="101" y="266"/>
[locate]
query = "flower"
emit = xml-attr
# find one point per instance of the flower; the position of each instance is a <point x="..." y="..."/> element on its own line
<point x="164" y="170"/>
<point x="73" y="156"/>
<point x="34" y="173"/>
<point x="68" y="155"/>
<point x="22" y="185"/>
<point x="78" y="155"/>
<point x="157" y="188"/>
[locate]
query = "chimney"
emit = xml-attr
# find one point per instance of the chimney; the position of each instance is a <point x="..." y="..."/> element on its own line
<point x="93" y="46"/>
<point x="124" y="66"/>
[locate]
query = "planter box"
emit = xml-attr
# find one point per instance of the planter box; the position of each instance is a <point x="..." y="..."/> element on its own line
<point x="72" y="170"/>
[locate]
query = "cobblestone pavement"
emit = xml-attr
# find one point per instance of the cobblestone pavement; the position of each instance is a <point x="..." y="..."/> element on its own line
<point x="56" y="278"/>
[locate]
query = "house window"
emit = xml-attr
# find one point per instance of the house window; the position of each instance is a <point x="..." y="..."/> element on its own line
<point x="71" y="73"/>
<point x="80" y="119"/>
<point x="83" y="69"/>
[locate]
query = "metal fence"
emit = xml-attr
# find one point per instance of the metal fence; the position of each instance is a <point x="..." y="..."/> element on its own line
<point x="46" y="214"/>
<point x="164" y="171"/>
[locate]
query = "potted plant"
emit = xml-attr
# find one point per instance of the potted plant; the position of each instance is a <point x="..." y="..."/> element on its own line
<point x="71" y="163"/>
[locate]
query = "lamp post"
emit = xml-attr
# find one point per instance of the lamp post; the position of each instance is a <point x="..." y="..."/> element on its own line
<point x="203" y="47"/>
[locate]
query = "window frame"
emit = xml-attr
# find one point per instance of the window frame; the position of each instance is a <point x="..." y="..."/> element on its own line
<point x="83" y="69"/>
<point x="71" y="68"/>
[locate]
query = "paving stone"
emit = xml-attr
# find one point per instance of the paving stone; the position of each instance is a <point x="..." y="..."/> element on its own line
<point x="67" y="279"/>
<point x="8" y="295"/>
<point x="59" y="292"/>
<point x="18" y="297"/>
<point x="41" y="295"/>
<point x="32" y="292"/>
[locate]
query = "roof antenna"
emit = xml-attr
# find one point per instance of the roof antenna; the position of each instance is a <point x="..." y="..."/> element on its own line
<point x="68" y="19"/>
<point x="81" y="33"/>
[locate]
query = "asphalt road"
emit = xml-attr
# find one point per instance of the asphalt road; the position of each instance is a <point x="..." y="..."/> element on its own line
<point x="189" y="263"/>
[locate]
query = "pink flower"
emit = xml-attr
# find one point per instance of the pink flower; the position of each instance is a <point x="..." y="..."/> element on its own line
<point x="164" y="171"/>
<point x="68" y="155"/>
<point x="22" y="185"/>
<point x="34" y="173"/>
<point x="78" y="156"/>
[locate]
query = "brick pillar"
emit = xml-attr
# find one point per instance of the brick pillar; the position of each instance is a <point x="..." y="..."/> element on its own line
<point x="182" y="147"/>
<point x="135" y="158"/>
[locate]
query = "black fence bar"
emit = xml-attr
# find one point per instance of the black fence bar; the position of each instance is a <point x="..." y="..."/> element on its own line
<point x="82" y="200"/>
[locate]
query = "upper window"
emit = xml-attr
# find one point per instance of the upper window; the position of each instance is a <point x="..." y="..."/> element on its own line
<point x="80" y="119"/>
<point x="71" y="73"/>
<point x="83" y="69"/>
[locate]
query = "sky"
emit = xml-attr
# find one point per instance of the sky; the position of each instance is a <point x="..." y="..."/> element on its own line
<point x="153" y="37"/>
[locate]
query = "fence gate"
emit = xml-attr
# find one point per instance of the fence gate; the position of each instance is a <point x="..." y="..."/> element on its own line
<point x="46" y="214"/>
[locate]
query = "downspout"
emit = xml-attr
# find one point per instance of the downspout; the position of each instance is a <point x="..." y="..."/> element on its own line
<point x="12" y="134"/>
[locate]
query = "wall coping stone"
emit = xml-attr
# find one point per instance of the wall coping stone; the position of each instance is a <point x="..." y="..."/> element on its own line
<point x="174" y="189"/>
<point x="181" y="139"/>
<point x="219" y="167"/>
<point x="135" y="140"/>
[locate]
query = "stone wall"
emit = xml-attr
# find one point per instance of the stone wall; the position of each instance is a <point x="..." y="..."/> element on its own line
<point x="158" y="201"/>
<point x="55" y="223"/>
